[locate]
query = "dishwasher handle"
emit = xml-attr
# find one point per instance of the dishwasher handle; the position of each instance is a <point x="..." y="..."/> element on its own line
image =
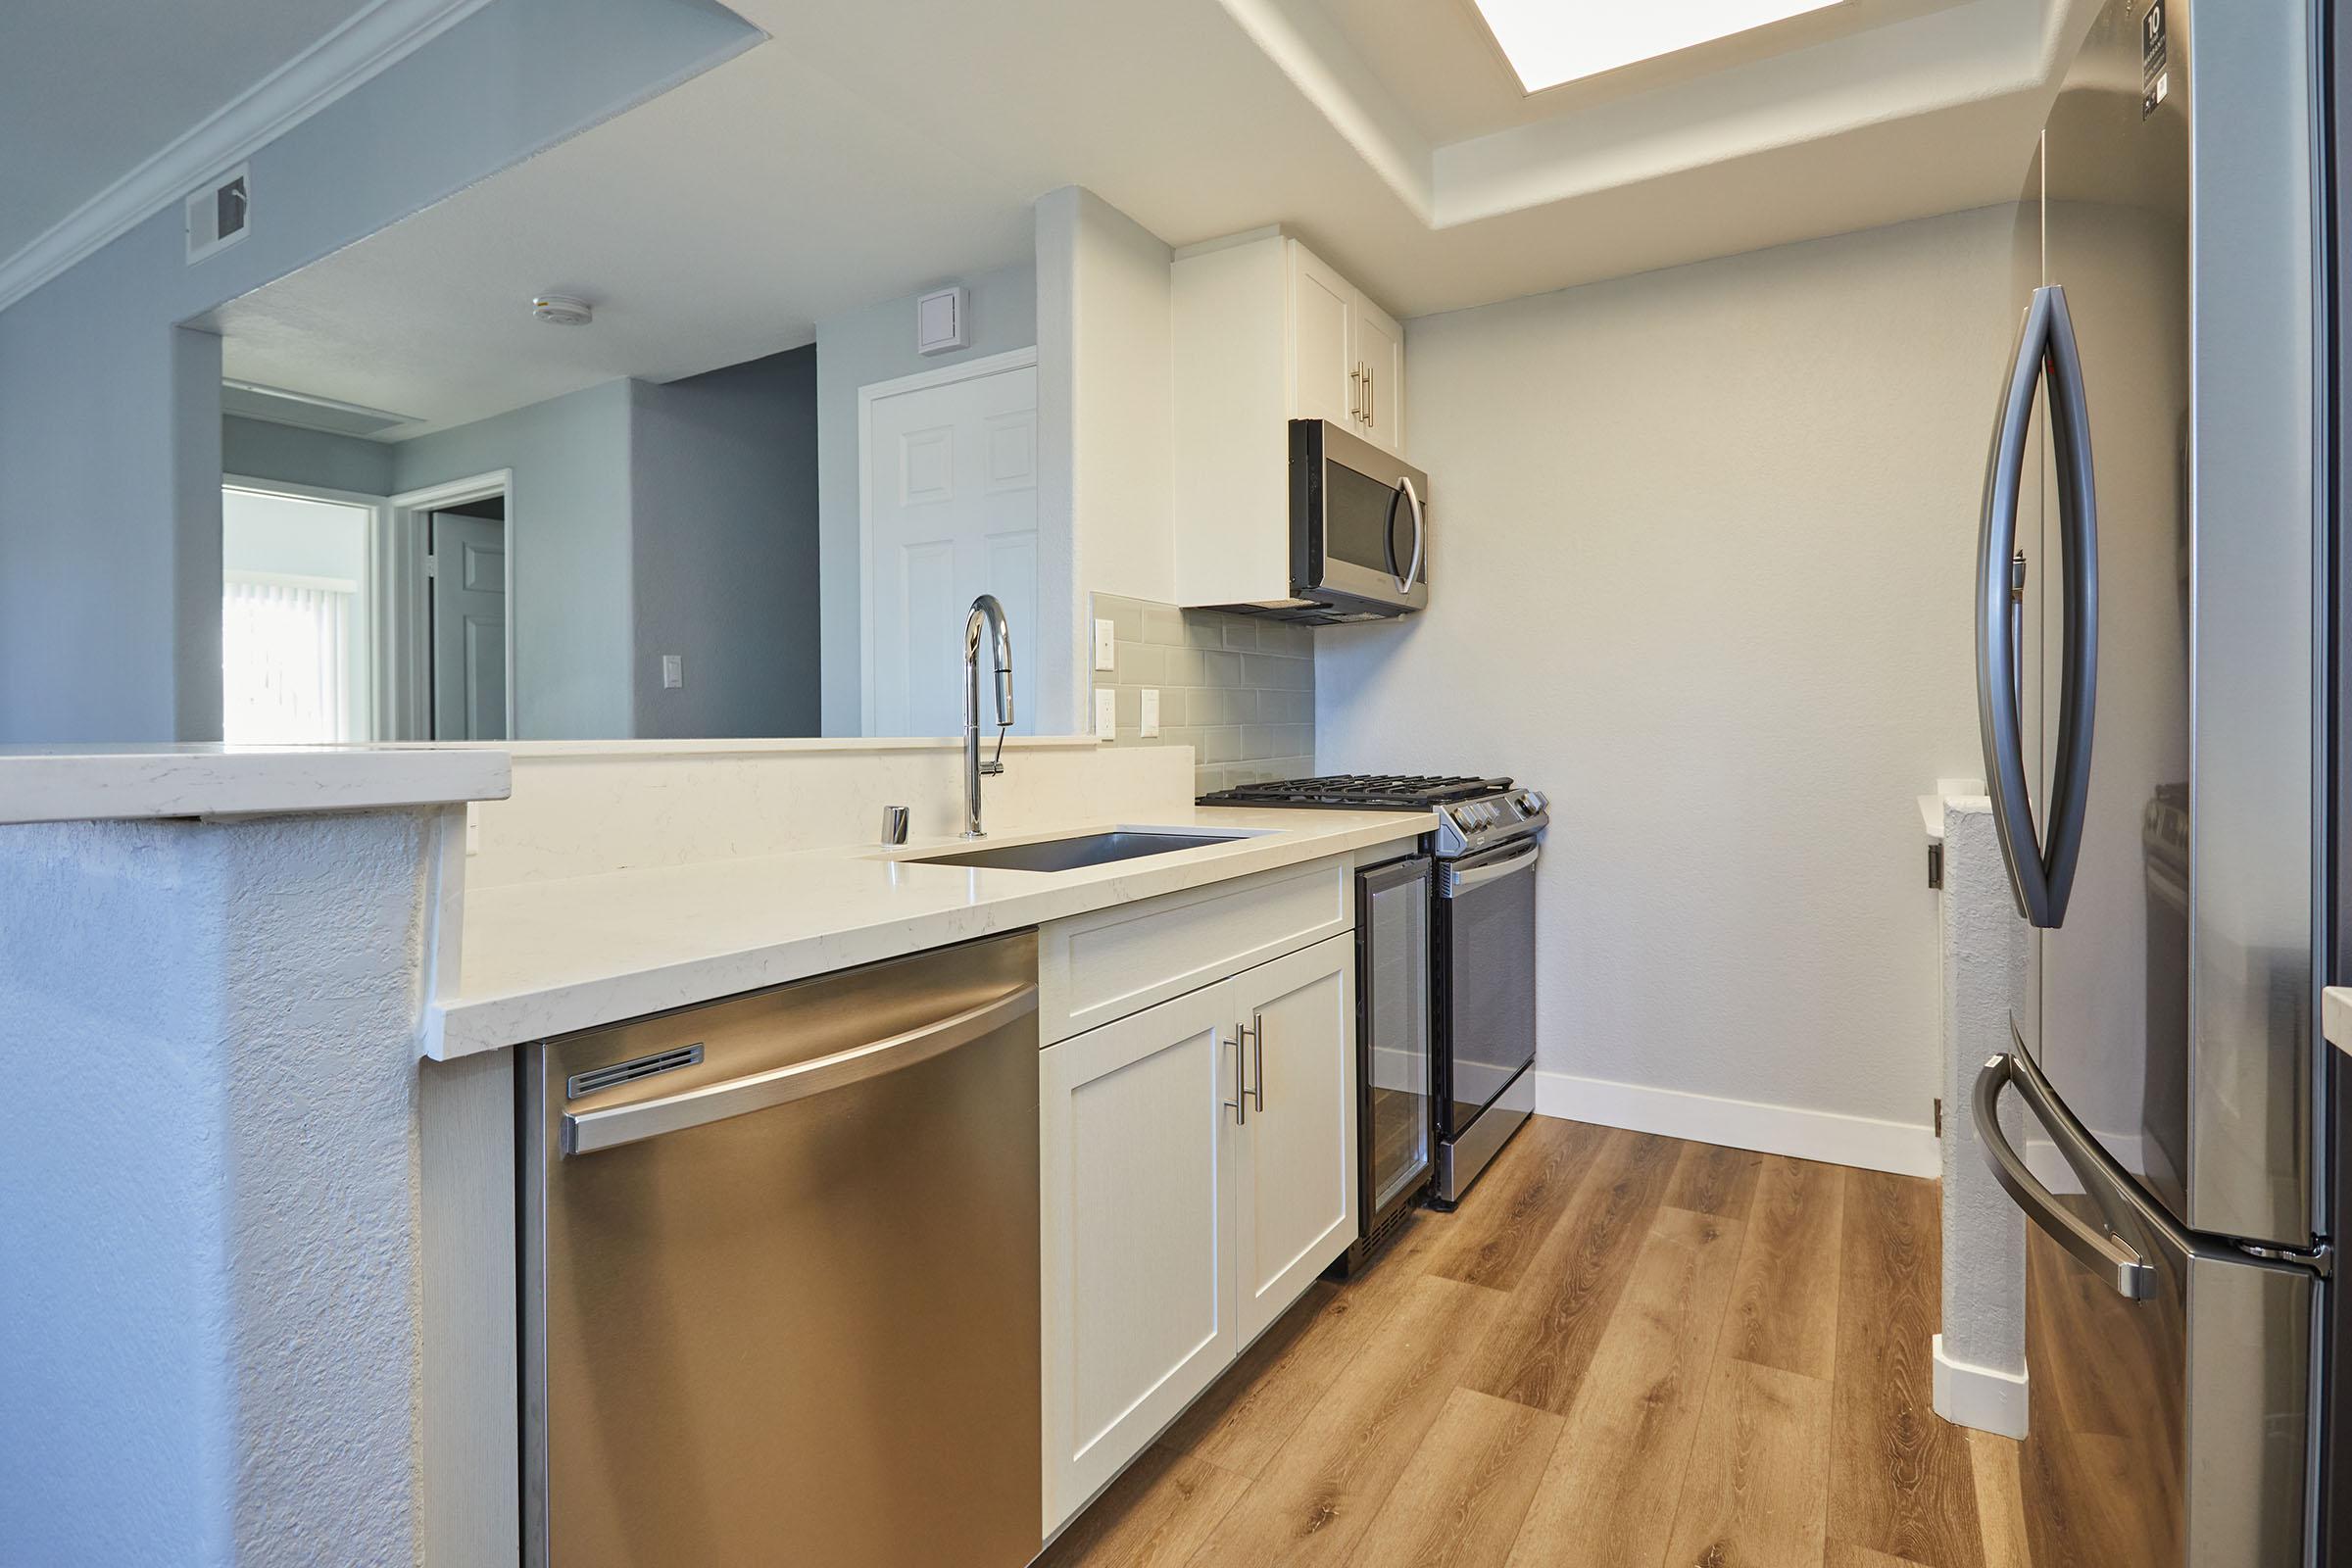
<point x="587" y="1131"/>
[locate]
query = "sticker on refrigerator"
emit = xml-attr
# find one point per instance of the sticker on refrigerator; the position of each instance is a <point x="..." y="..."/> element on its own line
<point x="2155" y="80"/>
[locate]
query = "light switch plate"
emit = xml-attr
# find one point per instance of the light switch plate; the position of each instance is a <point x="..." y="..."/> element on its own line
<point x="1106" y="714"/>
<point x="1150" y="725"/>
<point x="673" y="672"/>
<point x="1106" y="646"/>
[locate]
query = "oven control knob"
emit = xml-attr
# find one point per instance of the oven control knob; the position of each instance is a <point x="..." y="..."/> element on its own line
<point x="1533" y="801"/>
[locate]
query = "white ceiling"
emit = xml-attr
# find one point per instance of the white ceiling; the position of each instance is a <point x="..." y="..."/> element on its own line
<point x="89" y="89"/>
<point x="868" y="150"/>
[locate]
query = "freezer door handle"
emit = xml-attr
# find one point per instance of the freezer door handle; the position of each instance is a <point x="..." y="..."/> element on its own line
<point x="2041" y="866"/>
<point x="585" y="1132"/>
<point x="2110" y="1258"/>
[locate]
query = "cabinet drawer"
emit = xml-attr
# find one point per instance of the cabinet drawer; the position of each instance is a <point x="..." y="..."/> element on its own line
<point x="1096" y="967"/>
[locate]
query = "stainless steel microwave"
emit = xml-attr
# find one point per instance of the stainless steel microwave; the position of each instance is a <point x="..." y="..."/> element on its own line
<point x="1360" y="529"/>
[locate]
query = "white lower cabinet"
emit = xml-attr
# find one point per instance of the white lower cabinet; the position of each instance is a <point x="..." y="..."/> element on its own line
<point x="1196" y="1179"/>
<point x="1293" y="1184"/>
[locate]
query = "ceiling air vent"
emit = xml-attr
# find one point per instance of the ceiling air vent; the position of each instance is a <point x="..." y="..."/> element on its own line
<point x="218" y="214"/>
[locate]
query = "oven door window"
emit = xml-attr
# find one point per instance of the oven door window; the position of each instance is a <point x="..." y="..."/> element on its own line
<point x="1490" y="955"/>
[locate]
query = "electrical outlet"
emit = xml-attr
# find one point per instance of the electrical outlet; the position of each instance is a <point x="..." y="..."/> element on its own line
<point x="1150" y="725"/>
<point x="1106" y="646"/>
<point x="673" y="672"/>
<point x="1106" y="714"/>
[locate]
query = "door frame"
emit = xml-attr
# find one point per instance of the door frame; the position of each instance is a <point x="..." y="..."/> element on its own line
<point x="373" y="601"/>
<point x="404" y="674"/>
<point x="871" y="393"/>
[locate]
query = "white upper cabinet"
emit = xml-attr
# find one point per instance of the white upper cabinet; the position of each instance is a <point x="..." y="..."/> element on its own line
<point x="1347" y="354"/>
<point x="1326" y="372"/>
<point x="1380" y="354"/>
<point x="1265" y="332"/>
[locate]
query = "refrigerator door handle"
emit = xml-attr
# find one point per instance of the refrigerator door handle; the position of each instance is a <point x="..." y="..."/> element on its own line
<point x="2040" y="875"/>
<point x="2078" y="539"/>
<point x="2110" y="1258"/>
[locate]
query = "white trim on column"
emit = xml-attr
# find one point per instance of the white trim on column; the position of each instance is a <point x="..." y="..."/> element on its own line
<point x="1823" y="1135"/>
<point x="1978" y="1395"/>
<point x="377" y="37"/>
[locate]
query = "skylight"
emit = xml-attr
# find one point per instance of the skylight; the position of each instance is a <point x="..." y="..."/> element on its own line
<point x="1551" y="41"/>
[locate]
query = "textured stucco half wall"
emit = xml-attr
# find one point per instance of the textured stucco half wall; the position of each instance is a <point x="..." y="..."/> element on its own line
<point x="1981" y="1353"/>
<point x="208" y="1316"/>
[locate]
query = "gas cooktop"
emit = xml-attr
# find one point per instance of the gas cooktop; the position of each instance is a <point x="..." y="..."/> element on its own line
<point x="1362" y="791"/>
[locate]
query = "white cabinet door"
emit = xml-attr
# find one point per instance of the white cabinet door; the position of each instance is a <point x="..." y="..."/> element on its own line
<point x="1137" y="1154"/>
<point x="1323" y="360"/>
<point x="1380" y="351"/>
<point x="1295" y="1182"/>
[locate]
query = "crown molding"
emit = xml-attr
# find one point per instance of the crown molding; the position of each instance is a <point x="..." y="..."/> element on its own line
<point x="377" y="37"/>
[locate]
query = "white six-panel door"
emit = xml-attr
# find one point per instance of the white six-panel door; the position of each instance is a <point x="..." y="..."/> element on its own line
<point x="949" y="511"/>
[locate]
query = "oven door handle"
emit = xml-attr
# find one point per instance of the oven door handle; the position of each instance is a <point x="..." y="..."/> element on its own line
<point x="1461" y="879"/>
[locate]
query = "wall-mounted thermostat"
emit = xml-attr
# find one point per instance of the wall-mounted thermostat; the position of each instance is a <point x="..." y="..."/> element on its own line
<point x="939" y="320"/>
<point x="218" y="214"/>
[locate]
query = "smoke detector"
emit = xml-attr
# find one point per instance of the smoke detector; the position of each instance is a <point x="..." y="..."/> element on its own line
<point x="564" y="310"/>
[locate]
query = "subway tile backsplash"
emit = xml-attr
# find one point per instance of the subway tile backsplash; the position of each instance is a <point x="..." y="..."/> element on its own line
<point x="1237" y="690"/>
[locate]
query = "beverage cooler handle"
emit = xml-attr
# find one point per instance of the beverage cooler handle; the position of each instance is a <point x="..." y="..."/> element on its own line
<point x="2042" y="868"/>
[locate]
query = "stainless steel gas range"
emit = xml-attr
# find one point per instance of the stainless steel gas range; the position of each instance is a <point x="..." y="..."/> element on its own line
<point x="1445" y="940"/>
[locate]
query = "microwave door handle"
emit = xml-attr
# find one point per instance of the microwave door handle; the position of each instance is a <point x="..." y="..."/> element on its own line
<point x="1412" y="502"/>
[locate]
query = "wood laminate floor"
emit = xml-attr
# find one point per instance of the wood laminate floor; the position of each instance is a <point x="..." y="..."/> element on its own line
<point x="1622" y="1350"/>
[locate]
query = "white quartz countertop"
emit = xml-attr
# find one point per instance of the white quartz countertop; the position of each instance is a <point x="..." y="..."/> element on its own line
<point x="105" y="783"/>
<point x="2336" y="1016"/>
<point x="542" y="958"/>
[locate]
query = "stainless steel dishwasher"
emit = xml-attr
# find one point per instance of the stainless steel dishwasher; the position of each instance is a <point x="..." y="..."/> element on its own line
<point x="780" y="1276"/>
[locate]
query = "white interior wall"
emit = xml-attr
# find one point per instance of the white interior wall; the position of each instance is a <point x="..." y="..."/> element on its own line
<point x="1106" y="426"/>
<point x="1702" y="545"/>
<point x="855" y="349"/>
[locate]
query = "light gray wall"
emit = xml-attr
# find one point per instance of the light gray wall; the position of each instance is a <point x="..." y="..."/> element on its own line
<point x="725" y="560"/>
<point x="1701" y="548"/>
<point x="110" y="415"/>
<point x="569" y="545"/>
<point x="257" y="449"/>
<point x="853" y="350"/>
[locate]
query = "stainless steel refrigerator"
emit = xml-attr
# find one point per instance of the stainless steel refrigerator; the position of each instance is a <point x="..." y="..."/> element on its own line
<point x="2154" y="669"/>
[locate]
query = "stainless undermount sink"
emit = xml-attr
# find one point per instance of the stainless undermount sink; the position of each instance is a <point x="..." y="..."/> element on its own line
<point x="1068" y="855"/>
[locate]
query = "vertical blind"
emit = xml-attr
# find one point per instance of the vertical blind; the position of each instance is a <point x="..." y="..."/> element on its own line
<point x="285" y="660"/>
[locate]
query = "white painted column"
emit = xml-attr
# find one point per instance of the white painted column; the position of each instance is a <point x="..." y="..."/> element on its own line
<point x="1979" y="1357"/>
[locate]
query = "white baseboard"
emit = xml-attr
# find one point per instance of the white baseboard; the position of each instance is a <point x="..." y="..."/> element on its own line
<point x="1979" y="1397"/>
<point x="1858" y="1141"/>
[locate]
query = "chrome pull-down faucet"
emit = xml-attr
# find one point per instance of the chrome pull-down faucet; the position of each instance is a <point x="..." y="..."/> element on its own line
<point x="986" y="614"/>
